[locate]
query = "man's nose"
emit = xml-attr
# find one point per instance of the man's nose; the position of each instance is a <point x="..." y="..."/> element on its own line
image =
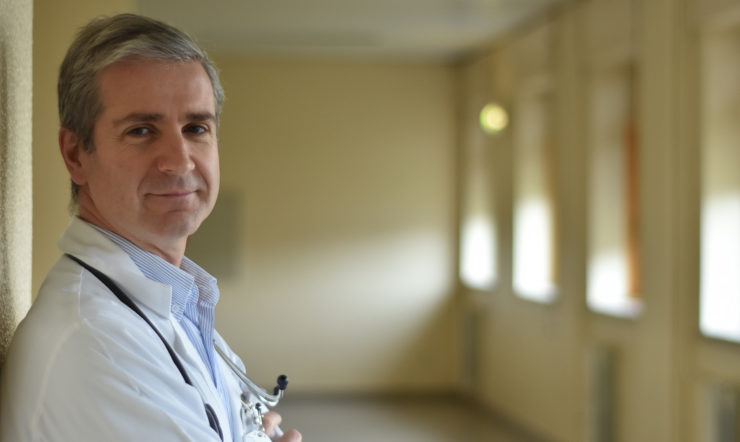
<point x="175" y="155"/>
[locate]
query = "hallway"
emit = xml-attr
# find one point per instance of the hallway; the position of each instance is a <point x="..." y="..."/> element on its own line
<point x="397" y="419"/>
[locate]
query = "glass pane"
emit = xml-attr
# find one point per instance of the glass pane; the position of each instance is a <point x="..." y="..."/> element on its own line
<point x="533" y="204"/>
<point x="613" y="282"/>
<point x="720" y="198"/>
<point x="478" y="229"/>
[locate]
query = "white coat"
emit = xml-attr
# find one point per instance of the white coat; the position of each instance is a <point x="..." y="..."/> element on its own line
<point x="84" y="367"/>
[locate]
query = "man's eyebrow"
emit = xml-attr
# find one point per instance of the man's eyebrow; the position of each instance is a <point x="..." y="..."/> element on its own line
<point x="137" y="117"/>
<point x="200" y="116"/>
<point x="146" y="117"/>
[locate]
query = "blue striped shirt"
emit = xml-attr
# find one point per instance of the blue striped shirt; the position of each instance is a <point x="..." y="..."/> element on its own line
<point x="194" y="297"/>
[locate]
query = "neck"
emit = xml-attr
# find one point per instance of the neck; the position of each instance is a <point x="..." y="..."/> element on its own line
<point x="171" y="251"/>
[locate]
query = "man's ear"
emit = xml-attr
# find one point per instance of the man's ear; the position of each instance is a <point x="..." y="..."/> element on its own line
<point x="70" y="145"/>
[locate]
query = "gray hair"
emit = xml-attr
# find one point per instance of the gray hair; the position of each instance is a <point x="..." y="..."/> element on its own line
<point x="105" y="41"/>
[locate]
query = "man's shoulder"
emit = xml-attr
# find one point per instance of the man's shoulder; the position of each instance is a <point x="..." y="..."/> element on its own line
<point x="74" y="315"/>
<point x="76" y="337"/>
<point x="79" y="354"/>
<point x="70" y="296"/>
<point x="56" y="345"/>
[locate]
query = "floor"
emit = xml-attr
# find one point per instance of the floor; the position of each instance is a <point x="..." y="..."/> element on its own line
<point x="405" y="419"/>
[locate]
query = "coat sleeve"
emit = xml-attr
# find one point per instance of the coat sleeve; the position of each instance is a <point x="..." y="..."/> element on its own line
<point x="99" y="387"/>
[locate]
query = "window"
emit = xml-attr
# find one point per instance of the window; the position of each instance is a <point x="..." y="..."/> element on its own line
<point x="478" y="231"/>
<point x="720" y="195"/>
<point x="534" y="205"/>
<point x="613" y="239"/>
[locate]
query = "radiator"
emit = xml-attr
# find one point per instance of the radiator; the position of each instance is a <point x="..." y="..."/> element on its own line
<point x="600" y="393"/>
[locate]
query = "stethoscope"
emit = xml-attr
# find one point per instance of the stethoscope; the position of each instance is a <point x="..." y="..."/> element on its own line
<point x="251" y="410"/>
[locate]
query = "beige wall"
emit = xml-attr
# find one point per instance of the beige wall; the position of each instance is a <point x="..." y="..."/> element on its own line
<point x="54" y="26"/>
<point x="341" y="175"/>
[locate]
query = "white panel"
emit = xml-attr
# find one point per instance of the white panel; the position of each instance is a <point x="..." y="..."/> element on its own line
<point x="720" y="207"/>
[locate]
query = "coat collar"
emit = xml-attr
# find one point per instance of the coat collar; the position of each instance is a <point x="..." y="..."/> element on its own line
<point x="91" y="246"/>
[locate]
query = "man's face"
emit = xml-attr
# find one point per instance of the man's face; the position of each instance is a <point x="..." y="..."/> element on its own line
<point x="153" y="174"/>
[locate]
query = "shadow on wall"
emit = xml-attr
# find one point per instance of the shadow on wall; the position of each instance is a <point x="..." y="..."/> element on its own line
<point x="215" y="246"/>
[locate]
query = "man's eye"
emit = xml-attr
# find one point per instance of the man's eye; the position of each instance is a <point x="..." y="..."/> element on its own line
<point x="139" y="131"/>
<point x="196" y="129"/>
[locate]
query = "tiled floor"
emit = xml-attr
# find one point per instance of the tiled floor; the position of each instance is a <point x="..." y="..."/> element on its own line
<point x="352" y="419"/>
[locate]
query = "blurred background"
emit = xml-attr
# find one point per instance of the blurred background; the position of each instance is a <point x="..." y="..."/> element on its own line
<point x="463" y="219"/>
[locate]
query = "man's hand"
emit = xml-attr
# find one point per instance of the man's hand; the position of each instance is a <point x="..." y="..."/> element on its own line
<point x="271" y="420"/>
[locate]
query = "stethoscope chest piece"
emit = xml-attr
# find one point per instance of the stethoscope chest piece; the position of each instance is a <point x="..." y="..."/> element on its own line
<point x="251" y="416"/>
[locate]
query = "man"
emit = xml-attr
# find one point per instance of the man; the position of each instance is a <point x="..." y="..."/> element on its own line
<point x="120" y="344"/>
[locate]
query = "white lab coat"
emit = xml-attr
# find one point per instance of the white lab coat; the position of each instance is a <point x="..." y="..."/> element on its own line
<point x="84" y="367"/>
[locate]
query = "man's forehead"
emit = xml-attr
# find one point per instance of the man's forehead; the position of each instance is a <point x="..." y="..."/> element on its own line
<point x="147" y="85"/>
<point x="141" y="61"/>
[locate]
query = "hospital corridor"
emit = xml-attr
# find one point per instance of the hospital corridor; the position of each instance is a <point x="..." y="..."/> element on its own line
<point x="443" y="220"/>
<point x="407" y="419"/>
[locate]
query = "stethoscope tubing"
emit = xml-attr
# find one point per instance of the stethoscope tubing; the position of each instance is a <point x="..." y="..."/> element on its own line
<point x="268" y="399"/>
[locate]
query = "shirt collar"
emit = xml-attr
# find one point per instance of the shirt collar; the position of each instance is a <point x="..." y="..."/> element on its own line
<point x="190" y="283"/>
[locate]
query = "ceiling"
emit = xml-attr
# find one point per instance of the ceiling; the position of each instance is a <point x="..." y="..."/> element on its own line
<point x="391" y="29"/>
